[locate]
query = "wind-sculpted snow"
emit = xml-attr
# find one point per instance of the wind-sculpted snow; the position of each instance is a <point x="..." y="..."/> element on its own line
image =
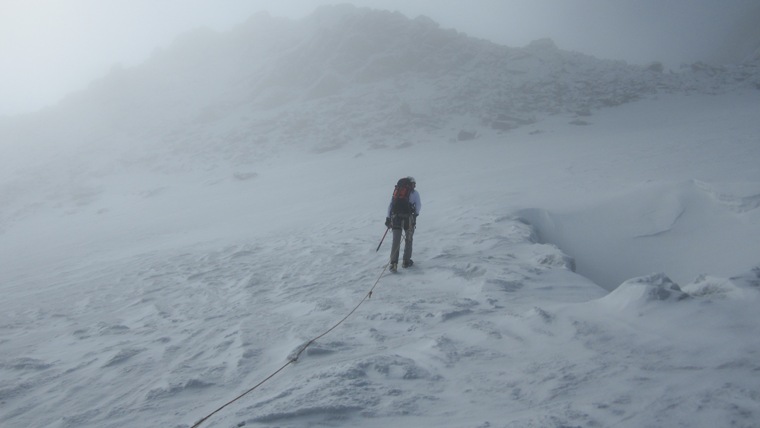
<point x="740" y="287"/>
<point x="211" y="319"/>
<point x="489" y="328"/>
<point x="644" y="228"/>
<point x="179" y="231"/>
<point x="640" y="291"/>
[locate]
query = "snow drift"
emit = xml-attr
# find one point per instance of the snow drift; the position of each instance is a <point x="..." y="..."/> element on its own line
<point x="170" y="236"/>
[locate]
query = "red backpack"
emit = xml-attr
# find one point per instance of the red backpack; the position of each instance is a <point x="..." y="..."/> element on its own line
<point x="401" y="194"/>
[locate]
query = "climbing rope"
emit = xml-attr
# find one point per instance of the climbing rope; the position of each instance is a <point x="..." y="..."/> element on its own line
<point x="298" y="354"/>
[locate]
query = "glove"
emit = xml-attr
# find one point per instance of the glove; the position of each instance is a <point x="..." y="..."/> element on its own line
<point x="388" y="222"/>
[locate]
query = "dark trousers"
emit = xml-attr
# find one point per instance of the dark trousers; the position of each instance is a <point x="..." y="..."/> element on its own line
<point x="402" y="223"/>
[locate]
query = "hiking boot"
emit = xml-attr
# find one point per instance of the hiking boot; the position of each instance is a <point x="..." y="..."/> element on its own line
<point x="407" y="263"/>
<point x="394" y="267"/>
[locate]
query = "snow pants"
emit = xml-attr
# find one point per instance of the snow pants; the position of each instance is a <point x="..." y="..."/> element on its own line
<point x="402" y="224"/>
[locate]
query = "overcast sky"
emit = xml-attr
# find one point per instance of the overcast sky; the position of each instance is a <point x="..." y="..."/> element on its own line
<point x="49" y="48"/>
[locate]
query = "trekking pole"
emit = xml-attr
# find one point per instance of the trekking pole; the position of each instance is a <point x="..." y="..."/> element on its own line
<point x="381" y="241"/>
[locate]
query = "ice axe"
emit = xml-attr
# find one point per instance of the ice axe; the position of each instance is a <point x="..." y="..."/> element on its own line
<point x="381" y="241"/>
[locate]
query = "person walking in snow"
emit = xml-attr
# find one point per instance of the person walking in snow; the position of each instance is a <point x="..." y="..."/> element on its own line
<point x="402" y="215"/>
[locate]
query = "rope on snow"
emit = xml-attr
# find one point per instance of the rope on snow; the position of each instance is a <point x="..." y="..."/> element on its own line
<point x="297" y="355"/>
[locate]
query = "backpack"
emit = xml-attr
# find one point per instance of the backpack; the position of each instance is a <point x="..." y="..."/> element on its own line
<point x="401" y="194"/>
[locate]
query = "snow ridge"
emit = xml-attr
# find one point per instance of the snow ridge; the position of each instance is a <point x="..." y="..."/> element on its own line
<point x="345" y="74"/>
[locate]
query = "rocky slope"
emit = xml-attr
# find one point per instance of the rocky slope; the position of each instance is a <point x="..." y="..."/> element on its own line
<point x="346" y="74"/>
<point x="342" y="77"/>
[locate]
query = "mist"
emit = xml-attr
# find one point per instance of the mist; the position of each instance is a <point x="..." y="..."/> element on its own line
<point x="211" y="198"/>
<point x="49" y="49"/>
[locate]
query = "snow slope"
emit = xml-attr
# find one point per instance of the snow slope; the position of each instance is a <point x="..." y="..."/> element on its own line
<point x="575" y="270"/>
<point x="154" y="308"/>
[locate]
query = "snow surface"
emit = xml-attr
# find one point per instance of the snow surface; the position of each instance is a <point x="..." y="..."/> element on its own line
<point x="570" y="272"/>
<point x="168" y="296"/>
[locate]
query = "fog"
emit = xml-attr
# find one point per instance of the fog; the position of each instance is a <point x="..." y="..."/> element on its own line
<point x="586" y="254"/>
<point x="50" y="48"/>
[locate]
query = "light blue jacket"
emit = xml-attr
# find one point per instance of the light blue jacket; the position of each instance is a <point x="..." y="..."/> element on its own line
<point x="414" y="199"/>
